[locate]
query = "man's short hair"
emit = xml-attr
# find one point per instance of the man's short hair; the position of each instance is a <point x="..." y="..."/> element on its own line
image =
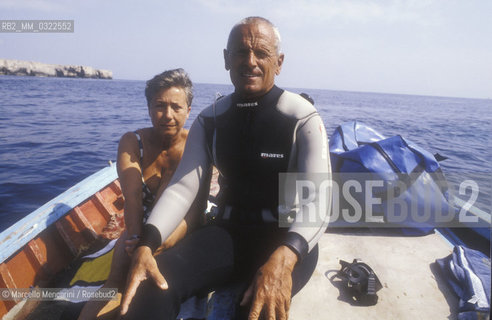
<point x="255" y="19"/>
<point x="170" y="78"/>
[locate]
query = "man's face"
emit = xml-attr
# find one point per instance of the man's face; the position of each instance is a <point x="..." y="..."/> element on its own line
<point x="252" y="60"/>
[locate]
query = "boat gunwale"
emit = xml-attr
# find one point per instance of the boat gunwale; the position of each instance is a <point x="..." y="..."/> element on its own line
<point x="26" y="229"/>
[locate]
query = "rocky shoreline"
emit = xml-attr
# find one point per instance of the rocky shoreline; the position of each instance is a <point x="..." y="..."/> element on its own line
<point x="38" y="69"/>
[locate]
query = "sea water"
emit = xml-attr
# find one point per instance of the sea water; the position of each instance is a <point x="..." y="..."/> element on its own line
<point x="55" y="132"/>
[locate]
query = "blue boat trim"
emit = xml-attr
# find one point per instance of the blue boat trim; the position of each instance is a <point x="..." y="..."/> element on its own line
<point x="26" y="229"/>
<point x="447" y="235"/>
<point x="473" y="210"/>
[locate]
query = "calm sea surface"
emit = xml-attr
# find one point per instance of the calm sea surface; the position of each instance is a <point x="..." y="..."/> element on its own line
<point x="55" y="132"/>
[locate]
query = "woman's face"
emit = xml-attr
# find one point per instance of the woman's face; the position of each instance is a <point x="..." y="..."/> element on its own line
<point x="168" y="111"/>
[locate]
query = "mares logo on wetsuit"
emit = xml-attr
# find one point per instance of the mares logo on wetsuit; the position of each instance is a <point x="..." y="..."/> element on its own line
<point x="266" y="155"/>
<point x="246" y="104"/>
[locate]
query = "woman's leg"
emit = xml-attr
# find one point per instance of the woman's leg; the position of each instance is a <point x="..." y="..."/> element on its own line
<point x="116" y="279"/>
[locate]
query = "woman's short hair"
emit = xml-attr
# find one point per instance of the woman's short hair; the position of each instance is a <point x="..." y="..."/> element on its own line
<point x="170" y="78"/>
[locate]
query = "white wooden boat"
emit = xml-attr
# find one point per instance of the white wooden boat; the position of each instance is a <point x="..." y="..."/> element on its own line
<point x="34" y="249"/>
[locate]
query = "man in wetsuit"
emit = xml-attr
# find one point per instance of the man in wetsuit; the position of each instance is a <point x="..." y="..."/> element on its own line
<point x="251" y="136"/>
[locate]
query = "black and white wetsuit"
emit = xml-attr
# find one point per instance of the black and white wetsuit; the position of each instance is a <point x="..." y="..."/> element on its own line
<point x="250" y="143"/>
<point x="254" y="141"/>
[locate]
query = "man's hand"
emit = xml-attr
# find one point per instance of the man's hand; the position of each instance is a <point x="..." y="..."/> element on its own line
<point x="143" y="267"/>
<point x="130" y="245"/>
<point x="271" y="289"/>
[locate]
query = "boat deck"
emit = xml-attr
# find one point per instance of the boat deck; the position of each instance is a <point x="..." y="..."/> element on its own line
<point x="412" y="285"/>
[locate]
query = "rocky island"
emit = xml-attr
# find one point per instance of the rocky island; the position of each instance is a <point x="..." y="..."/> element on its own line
<point x="38" y="69"/>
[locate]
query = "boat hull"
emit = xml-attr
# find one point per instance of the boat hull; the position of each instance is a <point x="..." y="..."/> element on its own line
<point x="53" y="236"/>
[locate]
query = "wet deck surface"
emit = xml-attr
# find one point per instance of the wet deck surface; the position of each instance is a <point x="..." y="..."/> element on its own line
<point x="412" y="285"/>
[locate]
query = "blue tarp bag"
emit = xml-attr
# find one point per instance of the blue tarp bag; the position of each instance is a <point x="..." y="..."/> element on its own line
<point x="467" y="271"/>
<point x="392" y="181"/>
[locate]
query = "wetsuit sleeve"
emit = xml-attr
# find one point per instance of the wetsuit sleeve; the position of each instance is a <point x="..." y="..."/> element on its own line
<point x="178" y="197"/>
<point x="313" y="163"/>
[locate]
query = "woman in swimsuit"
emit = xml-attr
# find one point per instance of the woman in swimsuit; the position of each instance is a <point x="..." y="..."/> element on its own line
<point x="147" y="159"/>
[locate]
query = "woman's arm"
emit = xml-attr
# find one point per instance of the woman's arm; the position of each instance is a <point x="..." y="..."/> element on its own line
<point x="130" y="175"/>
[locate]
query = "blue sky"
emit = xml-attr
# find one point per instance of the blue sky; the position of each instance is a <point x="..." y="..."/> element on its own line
<point x="427" y="47"/>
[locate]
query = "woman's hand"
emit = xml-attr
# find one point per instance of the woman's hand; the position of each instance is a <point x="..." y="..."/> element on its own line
<point x="143" y="267"/>
<point x="271" y="289"/>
